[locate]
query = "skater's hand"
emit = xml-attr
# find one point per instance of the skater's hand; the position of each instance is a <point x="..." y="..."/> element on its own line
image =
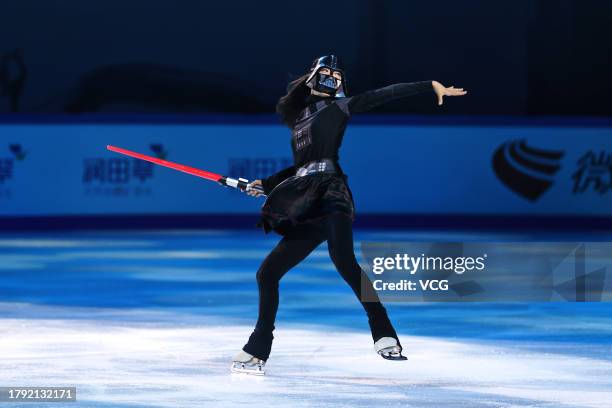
<point x="254" y="193"/>
<point x="441" y="91"/>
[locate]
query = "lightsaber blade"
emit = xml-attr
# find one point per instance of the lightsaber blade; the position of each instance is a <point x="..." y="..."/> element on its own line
<point x="242" y="184"/>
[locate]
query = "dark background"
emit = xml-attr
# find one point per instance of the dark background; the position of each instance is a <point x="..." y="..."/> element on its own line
<point x="515" y="57"/>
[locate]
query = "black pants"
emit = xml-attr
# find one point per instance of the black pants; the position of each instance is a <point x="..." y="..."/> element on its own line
<point x="289" y="252"/>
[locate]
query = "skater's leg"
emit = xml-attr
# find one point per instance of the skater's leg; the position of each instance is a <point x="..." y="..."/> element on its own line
<point x="340" y="244"/>
<point x="288" y="252"/>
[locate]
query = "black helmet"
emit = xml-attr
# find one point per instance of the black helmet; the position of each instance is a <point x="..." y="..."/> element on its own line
<point x="327" y="83"/>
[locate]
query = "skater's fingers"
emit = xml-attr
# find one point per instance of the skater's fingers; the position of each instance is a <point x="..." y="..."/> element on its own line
<point x="252" y="191"/>
<point x="455" y="91"/>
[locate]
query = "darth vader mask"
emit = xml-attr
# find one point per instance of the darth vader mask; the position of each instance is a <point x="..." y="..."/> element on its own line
<point x="327" y="83"/>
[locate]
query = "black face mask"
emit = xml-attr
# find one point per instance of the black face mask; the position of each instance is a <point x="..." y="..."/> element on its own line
<point x="326" y="84"/>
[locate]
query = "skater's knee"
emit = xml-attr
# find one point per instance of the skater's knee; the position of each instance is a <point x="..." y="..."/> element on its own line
<point x="266" y="277"/>
<point x="335" y="257"/>
<point x="344" y="261"/>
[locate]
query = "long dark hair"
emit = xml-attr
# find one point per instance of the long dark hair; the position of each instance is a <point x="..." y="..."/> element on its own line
<point x="290" y="105"/>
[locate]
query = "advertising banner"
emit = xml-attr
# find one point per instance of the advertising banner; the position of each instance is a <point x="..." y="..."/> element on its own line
<point x="65" y="169"/>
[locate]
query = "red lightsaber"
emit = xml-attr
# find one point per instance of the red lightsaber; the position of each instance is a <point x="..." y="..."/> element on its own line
<point x="242" y="184"/>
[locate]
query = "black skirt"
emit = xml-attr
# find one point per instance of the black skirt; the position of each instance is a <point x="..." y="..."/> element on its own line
<point x="303" y="203"/>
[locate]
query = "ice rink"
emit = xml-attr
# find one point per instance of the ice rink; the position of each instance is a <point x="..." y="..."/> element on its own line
<point x="152" y="319"/>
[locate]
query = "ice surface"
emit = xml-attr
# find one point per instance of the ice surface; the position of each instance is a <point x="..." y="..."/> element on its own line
<point x="119" y="362"/>
<point x="152" y="320"/>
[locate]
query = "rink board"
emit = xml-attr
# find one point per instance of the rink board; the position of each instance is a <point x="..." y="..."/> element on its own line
<point x="64" y="169"/>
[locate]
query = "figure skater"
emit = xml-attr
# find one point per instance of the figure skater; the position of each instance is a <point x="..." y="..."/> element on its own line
<point x="310" y="202"/>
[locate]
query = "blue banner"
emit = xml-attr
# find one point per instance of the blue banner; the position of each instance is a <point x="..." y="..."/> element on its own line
<point x="65" y="169"/>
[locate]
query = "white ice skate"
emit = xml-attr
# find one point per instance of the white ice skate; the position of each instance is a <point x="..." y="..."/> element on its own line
<point x="244" y="363"/>
<point x="389" y="349"/>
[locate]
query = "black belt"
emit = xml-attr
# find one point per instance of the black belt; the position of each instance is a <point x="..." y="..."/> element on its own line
<point x="321" y="166"/>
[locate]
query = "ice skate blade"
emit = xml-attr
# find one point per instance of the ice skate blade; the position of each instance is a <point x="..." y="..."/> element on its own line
<point x="247" y="372"/>
<point x="241" y="369"/>
<point x="393" y="357"/>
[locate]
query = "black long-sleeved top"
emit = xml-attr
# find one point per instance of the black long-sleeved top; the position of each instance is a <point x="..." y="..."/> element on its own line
<point x="319" y="129"/>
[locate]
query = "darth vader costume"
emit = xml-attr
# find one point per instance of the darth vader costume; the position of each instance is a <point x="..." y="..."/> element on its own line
<point x="315" y="186"/>
<point x="311" y="202"/>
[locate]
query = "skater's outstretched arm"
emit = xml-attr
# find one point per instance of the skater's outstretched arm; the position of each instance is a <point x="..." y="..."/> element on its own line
<point x="371" y="99"/>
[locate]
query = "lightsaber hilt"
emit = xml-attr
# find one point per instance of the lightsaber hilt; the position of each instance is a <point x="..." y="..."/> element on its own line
<point x="240" y="183"/>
